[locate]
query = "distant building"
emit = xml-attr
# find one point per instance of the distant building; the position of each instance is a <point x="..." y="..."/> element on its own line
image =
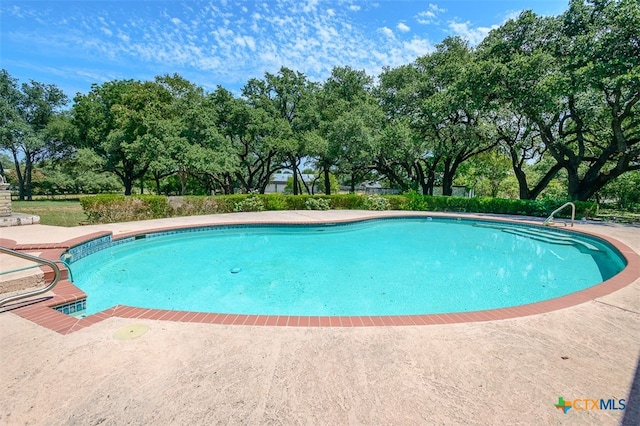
<point x="278" y="181"/>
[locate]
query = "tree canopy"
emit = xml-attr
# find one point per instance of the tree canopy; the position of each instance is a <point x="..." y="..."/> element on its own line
<point x="555" y="98"/>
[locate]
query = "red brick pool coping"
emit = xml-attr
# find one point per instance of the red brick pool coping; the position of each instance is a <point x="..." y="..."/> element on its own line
<point x="40" y="310"/>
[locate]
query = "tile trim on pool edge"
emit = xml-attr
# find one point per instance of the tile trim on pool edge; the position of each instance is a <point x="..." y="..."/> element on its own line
<point x="42" y="311"/>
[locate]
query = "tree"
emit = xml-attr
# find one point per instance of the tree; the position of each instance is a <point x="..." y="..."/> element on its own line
<point x="189" y="142"/>
<point x="353" y="137"/>
<point x="575" y="78"/>
<point x="117" y="120"/>
<point x="519" y="138"/>
<point x="350" y="120"/>
<point x="624" y="191"/>
<point x="288" y="98"/>
<point x="406" y="156"/>
<point x="485" y="173"/>
<point x="253" y="136"/>
<point x="433" y="97"/>
<point x="27" y="127"/>
<point x="602" y="62"/>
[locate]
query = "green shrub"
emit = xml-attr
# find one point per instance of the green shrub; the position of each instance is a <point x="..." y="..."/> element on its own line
<point x="376" y="202"/>
<point x="540" y="208"/>
<point x="275" y="201"/>
<point x="249" y="204"/>
<point x="157" y="205"/>
<point x="195" y="205"/>
<point x="317" y="204"/>
<point x="397" y="202"/>
<point x="347" y="201"/>
<point x="416" y="202"/>
<point x="109" y="208"/>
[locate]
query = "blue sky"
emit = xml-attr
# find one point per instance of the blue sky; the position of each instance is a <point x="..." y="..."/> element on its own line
<point x="73" y="44"/>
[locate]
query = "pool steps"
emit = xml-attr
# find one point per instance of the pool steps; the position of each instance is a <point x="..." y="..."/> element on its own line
<point x="542" y="235"/>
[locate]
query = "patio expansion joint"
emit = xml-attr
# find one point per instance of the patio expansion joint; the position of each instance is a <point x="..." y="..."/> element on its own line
<point x="616" y="306"/>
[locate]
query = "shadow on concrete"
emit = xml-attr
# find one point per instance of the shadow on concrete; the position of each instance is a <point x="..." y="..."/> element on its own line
<point x="632" y="412"/>
<point x="13" y="306"/>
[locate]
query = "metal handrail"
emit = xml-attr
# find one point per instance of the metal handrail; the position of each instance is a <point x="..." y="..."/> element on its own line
<point x="52" y="265"/>
<point x="548" y="220"/>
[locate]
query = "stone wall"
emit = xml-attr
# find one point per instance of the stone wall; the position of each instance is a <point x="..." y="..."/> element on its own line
<point x="5" y="203"/>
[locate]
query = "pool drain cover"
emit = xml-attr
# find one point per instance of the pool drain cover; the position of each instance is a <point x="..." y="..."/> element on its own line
<point x="131" y="331"/>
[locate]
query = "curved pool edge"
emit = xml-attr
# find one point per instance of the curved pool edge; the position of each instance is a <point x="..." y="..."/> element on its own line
<point x="40" y="311"/>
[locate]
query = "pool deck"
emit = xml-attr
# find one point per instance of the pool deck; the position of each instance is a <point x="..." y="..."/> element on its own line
<point x="478" y="372"/>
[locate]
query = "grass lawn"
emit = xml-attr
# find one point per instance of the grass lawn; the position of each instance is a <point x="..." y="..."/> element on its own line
<point x="52" y="212"/>
<point x="620" y="216"/>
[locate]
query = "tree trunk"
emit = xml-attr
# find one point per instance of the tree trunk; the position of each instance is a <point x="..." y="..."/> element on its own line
<point x="523" y="187"/>
<point x="183" y="182"/>
<point x="156" y="178"/>
<point x="431" y="181"/>
<point x="127" y="181"/>
<point x="544" y="182"/>
<point x="303" y="183"/>
<point x="16" y="163"/>
<point x="327" y="181"/>
<point x="447" y="179"/>
<point x="424" y="185"/>
<point x="28" y="168"/>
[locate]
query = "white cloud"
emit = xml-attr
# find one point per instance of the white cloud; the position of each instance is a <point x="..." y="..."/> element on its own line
<point x="403" y="27"/>
<point x="418" y="46"/>
<point x="473" y="35"/>
<point x="228" y="46"/>
<point x="426" y="17"/>
<point x="251" y="43"/>
<point x="122" y="36"/>
<point x="514" y="14"/>
<point x="245" y="41"/>
<point x="430" y="15"/>
<point x="386" y="31"/>
<point x="310" y="6"/>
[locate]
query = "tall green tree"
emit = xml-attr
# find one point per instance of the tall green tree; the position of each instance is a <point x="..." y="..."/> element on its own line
<point x="433" y="96"/>
<point x="190" y="144"/>
<point x="576" y="79"/>
<point x="350" y="123"/>
<point x="27" y="125"/>
<point x="516" y="63"/>
<point x="602" y="63"/>
<point x="116" y="120"/>
<point x="171" y="129"/>
<point x="253" y="136"/>
<point x="406" y="157"/>
<point x="288" y="97"/>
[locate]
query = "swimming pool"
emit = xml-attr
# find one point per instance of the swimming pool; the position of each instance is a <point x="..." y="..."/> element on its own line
<point x="399" y="266"/>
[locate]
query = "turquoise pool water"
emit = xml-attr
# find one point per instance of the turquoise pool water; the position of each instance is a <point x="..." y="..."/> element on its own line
<point x="377" y="267"/>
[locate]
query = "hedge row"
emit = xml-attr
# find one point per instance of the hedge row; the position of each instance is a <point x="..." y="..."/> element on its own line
<point x="108" y="208"/>
<point x="542" y="207"/>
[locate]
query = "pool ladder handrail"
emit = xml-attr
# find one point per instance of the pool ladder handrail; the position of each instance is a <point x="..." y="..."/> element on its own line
<point x="549" y="220"/>
<point x="41" y="261"/>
